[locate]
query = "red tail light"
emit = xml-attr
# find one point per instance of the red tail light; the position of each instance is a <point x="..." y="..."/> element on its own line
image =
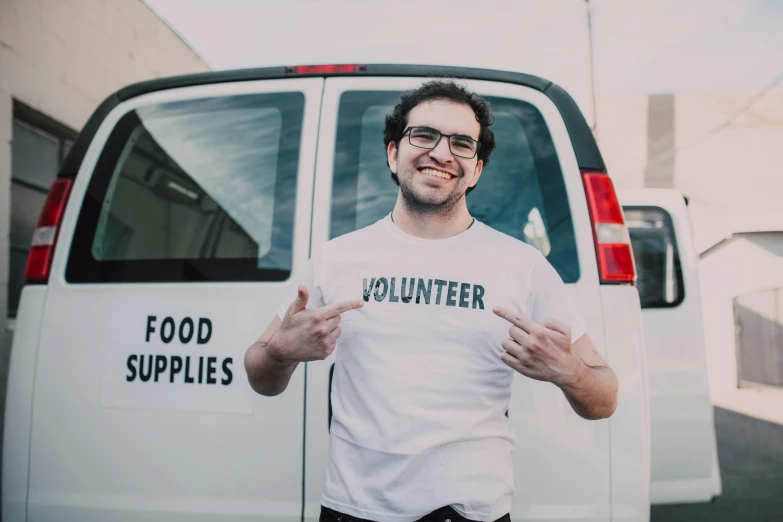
<point x="612" y="242"/>
<point x="326" y="69"/>
<point x="39" y="261"/>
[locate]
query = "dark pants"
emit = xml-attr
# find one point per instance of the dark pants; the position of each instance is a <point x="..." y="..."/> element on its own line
<point x="439" y="515"/>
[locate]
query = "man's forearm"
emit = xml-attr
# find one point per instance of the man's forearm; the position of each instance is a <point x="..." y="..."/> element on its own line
<point x="593" y="393"/>
<point x="266" y="375"/>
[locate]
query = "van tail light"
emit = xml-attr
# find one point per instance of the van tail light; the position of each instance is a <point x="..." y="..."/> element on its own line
<point x="612" y="241"/>
<point x="39" y="261"/>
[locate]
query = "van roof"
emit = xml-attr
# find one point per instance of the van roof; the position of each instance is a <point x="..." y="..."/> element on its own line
<point x="587" y="154"/>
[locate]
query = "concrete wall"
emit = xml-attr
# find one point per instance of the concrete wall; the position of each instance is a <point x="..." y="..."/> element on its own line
<point x="745" y="264"/>
<point x="62" y="58"/>
<point x="724" y="150"/>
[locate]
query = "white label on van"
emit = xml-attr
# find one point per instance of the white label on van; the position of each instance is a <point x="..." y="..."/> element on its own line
<point x="170" y="356"/>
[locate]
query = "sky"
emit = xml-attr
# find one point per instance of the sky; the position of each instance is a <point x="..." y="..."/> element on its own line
<point x="638" y="46"/>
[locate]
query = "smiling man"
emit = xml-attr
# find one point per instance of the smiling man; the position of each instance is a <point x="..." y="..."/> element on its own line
<point x="436" y="311"/>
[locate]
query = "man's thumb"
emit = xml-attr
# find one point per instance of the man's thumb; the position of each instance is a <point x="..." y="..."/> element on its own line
<point x="300" y="303"/>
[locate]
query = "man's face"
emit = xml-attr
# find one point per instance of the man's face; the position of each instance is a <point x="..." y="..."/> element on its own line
<point x="422" y="189"/>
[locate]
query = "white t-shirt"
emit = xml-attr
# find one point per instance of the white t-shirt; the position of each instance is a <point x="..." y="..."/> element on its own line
<point x="419" y="392"/>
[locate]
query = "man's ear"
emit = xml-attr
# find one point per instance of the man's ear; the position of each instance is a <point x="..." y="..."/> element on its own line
<point x="391" y="156"/>
<point x="477" y="173"/>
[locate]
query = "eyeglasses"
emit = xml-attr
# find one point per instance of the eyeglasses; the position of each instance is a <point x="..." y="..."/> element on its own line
<point x="428" y="138"/>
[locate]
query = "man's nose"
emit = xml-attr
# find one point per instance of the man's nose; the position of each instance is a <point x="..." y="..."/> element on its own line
<point x="442" y="153"/>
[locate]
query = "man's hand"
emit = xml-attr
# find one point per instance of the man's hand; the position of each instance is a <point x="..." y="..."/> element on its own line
<point x="545" y="352"/>
<point x="541" y="351"/>
<point x="308" y="335"/>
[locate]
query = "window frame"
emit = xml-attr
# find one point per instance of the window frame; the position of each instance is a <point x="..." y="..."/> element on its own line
<point x="82" y="268"/>
<point x="679" y="277"/>
<point x="357" y="99"/>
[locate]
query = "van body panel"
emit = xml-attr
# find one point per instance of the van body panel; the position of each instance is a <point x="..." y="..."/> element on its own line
<point x="630" y="423"/>
<point x="19" y="403"/>
<point x="684" y="450"/>
<point x="546" y="427"/>
<point x="172" y="448"/>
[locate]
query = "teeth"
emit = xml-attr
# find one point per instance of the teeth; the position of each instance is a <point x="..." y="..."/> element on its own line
<point x="437" y="174"/>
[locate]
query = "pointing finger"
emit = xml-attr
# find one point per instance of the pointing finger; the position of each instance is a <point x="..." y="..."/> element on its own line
<point x="341" y="307"/>
<point x="524" y="323"/>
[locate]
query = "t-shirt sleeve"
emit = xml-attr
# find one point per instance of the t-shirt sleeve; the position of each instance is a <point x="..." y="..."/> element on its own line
<point x="312" y="281"/>
<point x="549" y="299"/>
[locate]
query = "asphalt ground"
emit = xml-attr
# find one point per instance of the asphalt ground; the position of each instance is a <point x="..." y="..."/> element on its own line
<point x="750" y="453"/>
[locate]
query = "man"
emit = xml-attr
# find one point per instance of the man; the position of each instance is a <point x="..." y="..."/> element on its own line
<point x="435" y="311"/>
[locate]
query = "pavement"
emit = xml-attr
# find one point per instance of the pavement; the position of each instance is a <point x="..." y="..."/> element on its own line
<point x="749" y="430"/>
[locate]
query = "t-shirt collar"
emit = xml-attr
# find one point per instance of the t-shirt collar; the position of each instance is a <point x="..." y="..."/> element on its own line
<point x="398" y="233"/>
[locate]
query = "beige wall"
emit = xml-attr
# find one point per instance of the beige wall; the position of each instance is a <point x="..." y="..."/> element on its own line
<point x="62" y="58"/>
<point x="729" y="164"/>
<point x="621" y="131"/>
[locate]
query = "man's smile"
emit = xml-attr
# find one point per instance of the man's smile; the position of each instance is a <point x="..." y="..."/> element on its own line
<point x="435" y="173"/>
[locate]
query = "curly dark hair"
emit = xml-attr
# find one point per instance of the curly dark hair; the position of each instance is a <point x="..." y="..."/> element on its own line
<point x="447" y="90"/>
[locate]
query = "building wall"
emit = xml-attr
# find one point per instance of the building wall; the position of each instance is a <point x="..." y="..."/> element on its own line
<point x="62" y="58"/>
<point x="724" y="150"/>
<point x="746" y="264"/>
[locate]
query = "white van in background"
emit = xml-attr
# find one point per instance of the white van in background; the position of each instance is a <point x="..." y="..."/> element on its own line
<point x="182" y="218"/>
<point x="684" y="452"/>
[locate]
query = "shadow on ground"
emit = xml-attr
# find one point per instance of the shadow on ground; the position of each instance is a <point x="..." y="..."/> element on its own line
<point x="750" y="452"/>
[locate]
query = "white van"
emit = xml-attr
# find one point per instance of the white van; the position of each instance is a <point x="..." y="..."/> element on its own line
<point x="180" y="221"/>
<point x="683" y="447"/>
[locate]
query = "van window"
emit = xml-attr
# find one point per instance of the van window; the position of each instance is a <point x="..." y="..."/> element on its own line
<point x="521" y="192"/>
<point x="658" y="269"/>
<point x="199" y="190"/>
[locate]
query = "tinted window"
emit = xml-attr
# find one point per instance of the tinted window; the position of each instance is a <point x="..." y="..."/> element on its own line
<point x="198" y="190"/>
<point x="521" y="192"/>
<point x="659" y="273"/>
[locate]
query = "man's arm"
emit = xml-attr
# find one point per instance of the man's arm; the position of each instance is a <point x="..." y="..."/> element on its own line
<point x="544" y="352"/>
<point x="593" y="391"/>
<point x="267" y="375"/>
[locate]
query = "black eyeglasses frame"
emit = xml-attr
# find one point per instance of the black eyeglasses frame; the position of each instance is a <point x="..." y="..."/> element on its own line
<point x="440" y="136"/>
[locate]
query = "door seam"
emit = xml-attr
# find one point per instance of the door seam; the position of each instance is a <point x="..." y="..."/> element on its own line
<point x="309" y="253"/>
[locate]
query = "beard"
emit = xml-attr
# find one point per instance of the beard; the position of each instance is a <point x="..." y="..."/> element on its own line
<point x="430" y="200"/>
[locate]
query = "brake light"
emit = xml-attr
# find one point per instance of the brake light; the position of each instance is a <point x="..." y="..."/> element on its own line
<point x="39" y="260"/>
<point x="326" y="69"/>
<point x="612" y="241"/>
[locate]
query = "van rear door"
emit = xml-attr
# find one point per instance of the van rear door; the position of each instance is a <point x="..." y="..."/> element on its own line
<point x="186" y="221"/>
<point x="532" y="190"/>
<point x="684" y="455"/>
